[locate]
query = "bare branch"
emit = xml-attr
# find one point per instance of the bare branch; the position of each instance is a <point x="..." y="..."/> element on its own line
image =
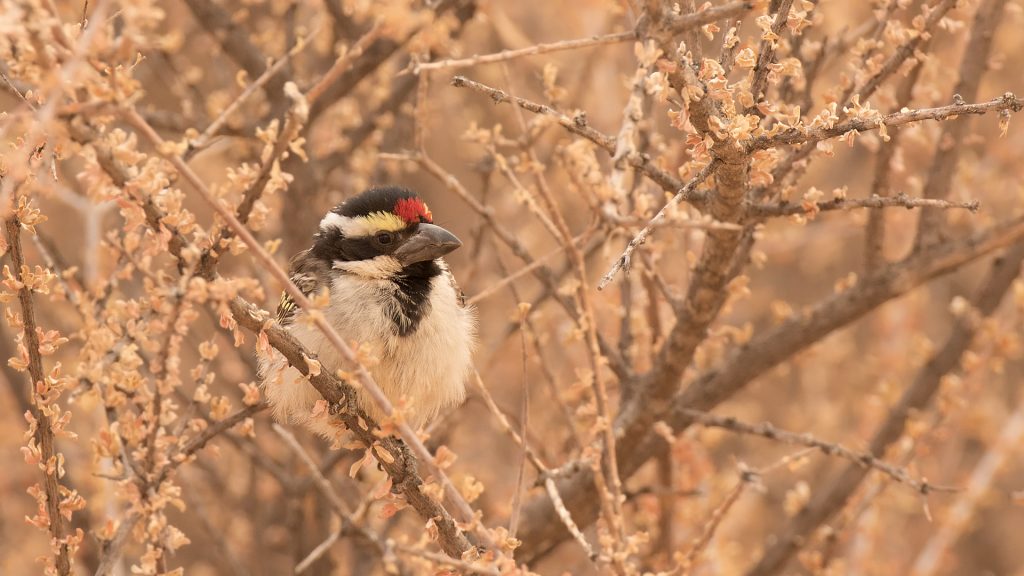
<point x="678" y="23"/>
<point x="203" y="140"/>
<point x="973" y="65"/>
<point x="506" y="55"/>
<point x="578" y="125"/>
<point x="343" y="64"/>
<point x="683" y="194"/>
<point x="933" y="554"/>
<point x="771" y="432"/>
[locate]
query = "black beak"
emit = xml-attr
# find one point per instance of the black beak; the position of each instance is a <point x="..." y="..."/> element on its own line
<point x="427" y="243"/>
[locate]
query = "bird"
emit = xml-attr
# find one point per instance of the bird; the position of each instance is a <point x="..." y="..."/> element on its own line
<point x="380" y="257"/>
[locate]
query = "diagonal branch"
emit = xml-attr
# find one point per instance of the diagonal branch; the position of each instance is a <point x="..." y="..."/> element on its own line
<point x="505" y="55"/>
<point x="684" y="194"/>
<point x="830" y="500"/>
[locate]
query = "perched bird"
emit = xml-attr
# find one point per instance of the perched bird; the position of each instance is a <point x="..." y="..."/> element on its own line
<point x="379" y="255"/>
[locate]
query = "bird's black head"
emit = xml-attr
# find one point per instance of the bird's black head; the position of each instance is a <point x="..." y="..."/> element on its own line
<point x="382" y="233"/>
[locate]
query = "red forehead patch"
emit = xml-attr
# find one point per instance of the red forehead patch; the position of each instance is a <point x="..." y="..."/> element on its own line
<point x="413" y="210"/>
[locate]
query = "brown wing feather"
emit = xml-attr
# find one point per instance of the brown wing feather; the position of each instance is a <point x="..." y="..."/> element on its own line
<point x="310" y="275"/>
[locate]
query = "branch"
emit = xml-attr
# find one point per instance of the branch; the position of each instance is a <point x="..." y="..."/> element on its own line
<point x="295" y="119"/>
<point x="958" y="520"/>
<point x="678" y="23"/>
<point x="973" y="65"/>
<point x="874" y="231"/>
<point x="769" y="431"/>
<point x="378" y="52"/>
<point x="684" y="193"/>
<point x="329" y="494"/>
<point x="343" y="64"/>
<point x="504" y="55"/>
<point x="578" y="125"/>
<point x="203" y="140"/>
<point x="766" y="53"/>
<point x="42" y="426"/>
<point x="898" y="201"/>
<point x="933" y="15"/>
<point x="120" y="175"/>
<point x="217" y="428"/>
<point x="808" y="135"/>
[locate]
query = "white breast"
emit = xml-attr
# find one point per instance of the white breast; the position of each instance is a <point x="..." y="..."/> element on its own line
<point x="427" y="368"/>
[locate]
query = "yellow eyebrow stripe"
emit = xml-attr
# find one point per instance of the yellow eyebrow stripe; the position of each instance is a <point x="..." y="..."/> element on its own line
<point x="383" y="222"/>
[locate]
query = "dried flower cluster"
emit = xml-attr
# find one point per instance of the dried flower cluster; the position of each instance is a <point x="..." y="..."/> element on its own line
<point x="681" y="234"/>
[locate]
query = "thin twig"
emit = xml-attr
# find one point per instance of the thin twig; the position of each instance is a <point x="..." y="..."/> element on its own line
<point x="578" y="125"/>
<point x="340" y="507"/>
<point x="505" y="55"/>
<point x="203" y="140"/>
<point x="496" y="287"/>
<point x="566" y="517"/>
<point x="769" y="431"/>
<point x="958" y="520"/>
<point x="624" y="260"/>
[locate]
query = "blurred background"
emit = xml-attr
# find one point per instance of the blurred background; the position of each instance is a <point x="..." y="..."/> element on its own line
<point x="247" y="504"/>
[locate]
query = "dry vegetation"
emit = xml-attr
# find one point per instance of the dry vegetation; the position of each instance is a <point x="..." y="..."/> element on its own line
<point x="747" y="277"/>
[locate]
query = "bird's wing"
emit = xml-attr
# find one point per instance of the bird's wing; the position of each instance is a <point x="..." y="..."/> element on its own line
<point x="460" y="296"/>
<point x="310" y="275"/>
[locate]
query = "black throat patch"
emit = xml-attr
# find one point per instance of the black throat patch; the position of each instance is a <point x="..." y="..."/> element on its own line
<point x="412" y="295"/>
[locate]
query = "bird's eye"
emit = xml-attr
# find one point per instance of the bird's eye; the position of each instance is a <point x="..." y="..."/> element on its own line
<point x="384" y="238"/>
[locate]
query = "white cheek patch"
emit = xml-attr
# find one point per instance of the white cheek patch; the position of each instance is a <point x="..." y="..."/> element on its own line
<point x="334" y="220"/>
<point x="363" y="225"/>
<point x="379" y="267"/>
